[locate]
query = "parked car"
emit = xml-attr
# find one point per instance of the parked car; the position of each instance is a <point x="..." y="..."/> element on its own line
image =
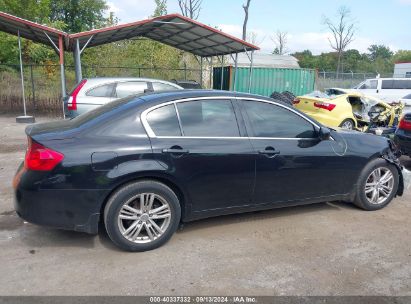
<point x="143" y="164"/>
<point x="387" y="89"/>
<point x="406" y="100"/>
<point x="403" y="134"/>
<point x="349" y="111"/>
<point x="91" y="93"/>
<point x="188" y="84"/>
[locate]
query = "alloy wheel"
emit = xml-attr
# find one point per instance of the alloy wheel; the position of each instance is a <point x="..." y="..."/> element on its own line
<point x="144" y="218"/>
<point x="379" y="185"/>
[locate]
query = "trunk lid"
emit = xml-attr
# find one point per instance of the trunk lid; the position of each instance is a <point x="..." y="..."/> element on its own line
<point x="52" y="130"/>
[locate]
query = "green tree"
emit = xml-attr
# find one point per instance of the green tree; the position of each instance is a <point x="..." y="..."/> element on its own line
<point x="379" y="51"/>
<point x="34" y="10"/>
<point x="79" y="15"/>
<point x="161" y="8"/>
<point x="402" y="56"/>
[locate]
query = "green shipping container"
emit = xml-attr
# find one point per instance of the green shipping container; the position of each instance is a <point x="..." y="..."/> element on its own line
<point x="266" y="80"/>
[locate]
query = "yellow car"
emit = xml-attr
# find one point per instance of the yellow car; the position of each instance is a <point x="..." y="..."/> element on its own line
<point x="348" y="111"/>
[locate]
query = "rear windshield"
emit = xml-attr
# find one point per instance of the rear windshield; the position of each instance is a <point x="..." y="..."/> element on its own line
<point x="90" y="115"/>
<point x="190" y="85"/>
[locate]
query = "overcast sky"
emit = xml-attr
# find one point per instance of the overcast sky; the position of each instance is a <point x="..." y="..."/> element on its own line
<point x="377" y="21"/>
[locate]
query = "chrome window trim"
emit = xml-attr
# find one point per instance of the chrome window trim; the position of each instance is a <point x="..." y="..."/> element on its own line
<point x="151" y="133"/>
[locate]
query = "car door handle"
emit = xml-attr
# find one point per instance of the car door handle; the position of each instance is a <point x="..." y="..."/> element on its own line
<point x="176" y="151"/>
<point x="269" y="152"/>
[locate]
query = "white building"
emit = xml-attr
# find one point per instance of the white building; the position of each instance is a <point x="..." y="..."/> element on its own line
<point x="262" y="60"/>
<point x="402" y="70"/>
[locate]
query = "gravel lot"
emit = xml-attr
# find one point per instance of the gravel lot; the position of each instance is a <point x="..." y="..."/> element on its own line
<point x="324" y="249"/>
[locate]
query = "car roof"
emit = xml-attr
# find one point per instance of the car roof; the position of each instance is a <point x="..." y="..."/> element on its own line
<point x="109" y="79"/>
<point x="397" y="78"/>
<point x="165" y="96"/>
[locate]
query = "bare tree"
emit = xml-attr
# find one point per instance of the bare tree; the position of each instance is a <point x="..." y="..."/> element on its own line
<point x="161" y="8"/>
<point x="246" y="6"/>
<point x="343" y="32"/>
<point x="253" y="38"/>
<point x="280" y="40"/>
<point x="190" y="8"/>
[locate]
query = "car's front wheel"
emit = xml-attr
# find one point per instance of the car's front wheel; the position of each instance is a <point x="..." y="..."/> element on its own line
<point x="142" y="215"/>
<point x="377" y="185"/>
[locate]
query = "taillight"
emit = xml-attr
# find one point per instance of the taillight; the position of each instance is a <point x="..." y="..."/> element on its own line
<point x="72" y="101"/>
<point x="41" y="158"/>
<point x="296" y="101"/>
<point x="325" y="105"/>
<point x="405" y="123"/>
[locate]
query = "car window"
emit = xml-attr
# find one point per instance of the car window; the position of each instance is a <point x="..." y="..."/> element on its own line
<point x="407" y="74"/>
<point x="369" y="85"/>
<point x="125" y="89"/>
<point x="402" y="84"/>
<point x="102" y="91"/>
<point x="387" y="84"/>
<point x="159" y="86"/>
<point x="268" y="120"/>
<point x="373" y="84"/>
<point x="164" y="122"/>
<point x="208" y="118"/>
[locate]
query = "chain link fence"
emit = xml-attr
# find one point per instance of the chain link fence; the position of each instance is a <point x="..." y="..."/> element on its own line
<point x="43" y="88"/>
<point x="343" y="80"/>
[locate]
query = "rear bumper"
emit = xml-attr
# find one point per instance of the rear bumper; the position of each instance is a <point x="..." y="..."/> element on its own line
<point x="403" y="141"/>
<point x="69" y="209"/>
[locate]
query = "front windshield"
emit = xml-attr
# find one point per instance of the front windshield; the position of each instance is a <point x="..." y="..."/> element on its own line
<point x="318" y="94"/>
<point x="359" y="85"/>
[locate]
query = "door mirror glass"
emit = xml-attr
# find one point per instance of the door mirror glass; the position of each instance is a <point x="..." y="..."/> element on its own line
<point x="324" y="133"/>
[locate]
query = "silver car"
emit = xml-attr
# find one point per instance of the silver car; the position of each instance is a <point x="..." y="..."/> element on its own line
<point x="93" y="92"/>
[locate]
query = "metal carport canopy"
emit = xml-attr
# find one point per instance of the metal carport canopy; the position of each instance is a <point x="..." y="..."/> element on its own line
<point x="29" y="30"/>
<point x="174" y="30"/>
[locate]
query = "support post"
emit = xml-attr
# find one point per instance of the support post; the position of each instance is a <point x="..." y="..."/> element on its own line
<point x="235" y="72"/>
<point x="222" y="72"/>
<point x="21" y="76"/>
<point x="201" y="71"/>
<point x="251" y="72"/>
<point x="211" y="73"/>
<point x="33" y="89"/>
<point x="24" y="118"/>
<point x="77" y="61"/>
<point x="62" y="73"/>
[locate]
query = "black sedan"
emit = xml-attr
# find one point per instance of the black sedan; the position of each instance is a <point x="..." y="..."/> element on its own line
<point x="145" y="164"/>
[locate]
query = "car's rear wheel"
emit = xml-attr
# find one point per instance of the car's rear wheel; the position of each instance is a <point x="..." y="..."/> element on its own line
<point x="142" y="216"/>
<point x="377" y="186"/>
<point x="347" y="124"/>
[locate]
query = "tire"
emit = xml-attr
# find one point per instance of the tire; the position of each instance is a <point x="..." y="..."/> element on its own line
<point x="290" y="96"/>
<point x="347" y="122"/>
<point x="150" y="229"/>
<point x="365" y="200"/>
<point x="280" y="97"/>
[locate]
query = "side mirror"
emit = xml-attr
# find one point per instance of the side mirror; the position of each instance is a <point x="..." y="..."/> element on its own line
<point x="324" y="133"/>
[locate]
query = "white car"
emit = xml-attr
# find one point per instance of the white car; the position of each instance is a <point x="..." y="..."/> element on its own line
<point x="91" y="93"/>
<point x="387" y="89"/>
